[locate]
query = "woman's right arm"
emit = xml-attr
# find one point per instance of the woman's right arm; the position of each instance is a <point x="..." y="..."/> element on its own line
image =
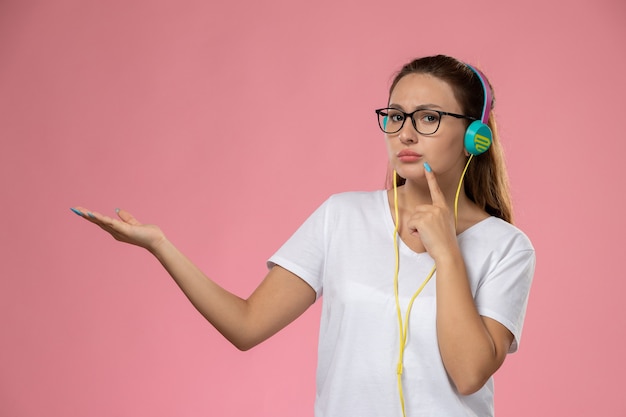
<point x="277" y="301"/>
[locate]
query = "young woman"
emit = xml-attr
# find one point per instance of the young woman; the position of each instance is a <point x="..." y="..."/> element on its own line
<point x="425" y="284"/>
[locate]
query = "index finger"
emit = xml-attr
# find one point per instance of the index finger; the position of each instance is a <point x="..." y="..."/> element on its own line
<point x="435" y="192"/>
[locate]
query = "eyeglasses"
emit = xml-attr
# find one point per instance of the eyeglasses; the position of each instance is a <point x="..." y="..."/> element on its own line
<point x="425" y="121"/>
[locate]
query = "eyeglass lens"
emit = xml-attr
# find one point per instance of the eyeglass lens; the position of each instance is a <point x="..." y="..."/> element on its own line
<point x="425" y="121"/>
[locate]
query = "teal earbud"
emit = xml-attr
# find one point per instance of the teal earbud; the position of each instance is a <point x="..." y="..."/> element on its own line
<point x="478" y="138"/>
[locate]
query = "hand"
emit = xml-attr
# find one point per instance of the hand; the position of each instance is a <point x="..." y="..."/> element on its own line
<point x="434" y="222"/>
<point x="127" y="229"/>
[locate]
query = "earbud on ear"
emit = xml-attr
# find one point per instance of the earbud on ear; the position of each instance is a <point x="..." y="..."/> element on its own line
<point x="478" y="138"/>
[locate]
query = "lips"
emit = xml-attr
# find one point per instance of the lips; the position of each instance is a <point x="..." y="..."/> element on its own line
<point x="407" y="155"/>
<point x="407" y="152"/>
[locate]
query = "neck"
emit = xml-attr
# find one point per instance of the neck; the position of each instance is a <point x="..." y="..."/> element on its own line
<point x="414" y="193"/>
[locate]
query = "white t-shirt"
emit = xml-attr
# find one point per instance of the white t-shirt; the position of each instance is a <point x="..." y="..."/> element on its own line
<point x="345" y="252"/>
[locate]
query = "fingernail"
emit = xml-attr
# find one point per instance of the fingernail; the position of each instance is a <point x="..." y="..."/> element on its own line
<point x="76" y="211"/>
<point x="117" y="210"/>
<point x="427" y="167"/>
<point x="91" y="215"/>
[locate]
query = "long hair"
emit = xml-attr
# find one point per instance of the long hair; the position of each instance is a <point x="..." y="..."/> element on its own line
<point x="486" y="181"/>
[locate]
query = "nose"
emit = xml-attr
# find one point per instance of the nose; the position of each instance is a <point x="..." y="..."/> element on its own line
<point x="408" y="134"/>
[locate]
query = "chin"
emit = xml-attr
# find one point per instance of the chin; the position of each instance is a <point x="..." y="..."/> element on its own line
<point x="415" y="172"/>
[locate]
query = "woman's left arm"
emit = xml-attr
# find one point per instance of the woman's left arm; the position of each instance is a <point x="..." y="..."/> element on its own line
<point x="472" y="347"/>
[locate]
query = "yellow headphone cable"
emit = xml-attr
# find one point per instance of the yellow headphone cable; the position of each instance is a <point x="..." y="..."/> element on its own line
<point x="403" y="324"/>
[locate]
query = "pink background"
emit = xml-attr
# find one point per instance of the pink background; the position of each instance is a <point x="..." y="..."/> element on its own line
<point x="213" y="121"/>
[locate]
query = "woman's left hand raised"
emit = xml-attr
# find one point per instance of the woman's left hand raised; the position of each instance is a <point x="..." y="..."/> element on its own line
<point x="435" y="222"/>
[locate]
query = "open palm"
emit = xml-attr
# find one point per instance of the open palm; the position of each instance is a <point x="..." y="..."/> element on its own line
<point x="125" y="229"/>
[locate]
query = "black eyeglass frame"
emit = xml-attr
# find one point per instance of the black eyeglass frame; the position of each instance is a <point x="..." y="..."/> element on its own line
<point x="410" y="115"/>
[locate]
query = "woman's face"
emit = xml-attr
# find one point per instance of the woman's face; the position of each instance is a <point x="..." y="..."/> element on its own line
<point x="443" y="150"/>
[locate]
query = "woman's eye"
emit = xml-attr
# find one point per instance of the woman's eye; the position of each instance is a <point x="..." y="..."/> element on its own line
<point x="429" y="117"/>
<point x="396" y="117"/>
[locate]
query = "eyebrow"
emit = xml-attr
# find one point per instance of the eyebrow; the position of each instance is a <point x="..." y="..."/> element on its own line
<point x="420" y="107"/>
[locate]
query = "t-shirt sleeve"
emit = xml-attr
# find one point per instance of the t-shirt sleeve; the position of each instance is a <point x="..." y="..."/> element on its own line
<point x="503" y="294"/>
<point x="304" y="253"/>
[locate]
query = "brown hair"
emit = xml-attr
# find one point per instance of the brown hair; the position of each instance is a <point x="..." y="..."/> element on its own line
<point x="486" y="181"/>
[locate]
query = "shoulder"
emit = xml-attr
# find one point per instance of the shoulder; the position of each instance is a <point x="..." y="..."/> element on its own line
<point x="357" y="200"/>
<point x="357" y="196"/>
<point x="353" y="207"/>
<point x="498" y="234"/>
